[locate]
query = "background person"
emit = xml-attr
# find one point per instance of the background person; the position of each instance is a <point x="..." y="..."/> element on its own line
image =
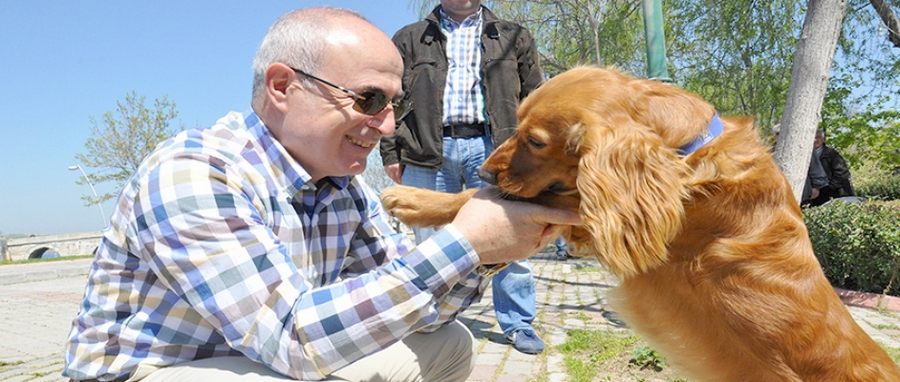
<point x="816" y="180"/>
<point x="465" y="71"/>
<point x="836" y="170"/>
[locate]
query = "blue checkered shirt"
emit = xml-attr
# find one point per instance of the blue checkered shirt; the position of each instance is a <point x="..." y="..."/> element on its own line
<point x="463" y="96"/>
<point x="222" y="245"/>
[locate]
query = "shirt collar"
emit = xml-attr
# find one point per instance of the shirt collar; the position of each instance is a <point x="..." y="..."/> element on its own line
<point x="285" y="167"/>
<point x="450" y="24"/>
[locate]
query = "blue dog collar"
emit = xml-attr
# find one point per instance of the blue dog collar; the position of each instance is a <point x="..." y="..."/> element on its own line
<point x="714" y="129"/>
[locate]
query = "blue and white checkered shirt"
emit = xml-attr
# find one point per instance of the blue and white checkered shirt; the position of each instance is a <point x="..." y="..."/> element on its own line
<point x="222" y="245"/>
<point x="463" y="96"/>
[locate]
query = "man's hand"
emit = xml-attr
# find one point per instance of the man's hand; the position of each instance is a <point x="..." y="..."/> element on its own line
<point x="394" y="171"/>
<point x="502" y="230"/>
<point x="814" y="194"/>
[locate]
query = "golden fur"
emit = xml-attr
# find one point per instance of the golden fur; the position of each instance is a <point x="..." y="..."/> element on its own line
<point x="716" y="268"/>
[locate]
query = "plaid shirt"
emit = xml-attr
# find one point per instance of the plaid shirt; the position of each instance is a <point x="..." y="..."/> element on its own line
<point x="463" y="97"/>
<point x="221" y="245"/>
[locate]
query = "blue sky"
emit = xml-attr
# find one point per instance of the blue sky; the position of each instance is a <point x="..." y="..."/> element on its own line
<point x="64" y="62"/>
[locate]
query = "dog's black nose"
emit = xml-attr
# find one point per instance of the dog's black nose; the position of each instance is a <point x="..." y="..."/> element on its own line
<point x="487" y="176"/>
<point x="556" y="187"/>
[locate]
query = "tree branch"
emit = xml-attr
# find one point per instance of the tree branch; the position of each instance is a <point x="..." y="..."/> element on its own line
<point x="884" y="10"/>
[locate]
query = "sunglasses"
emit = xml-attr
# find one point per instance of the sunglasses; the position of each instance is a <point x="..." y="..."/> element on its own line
<point x="369" y="102"/>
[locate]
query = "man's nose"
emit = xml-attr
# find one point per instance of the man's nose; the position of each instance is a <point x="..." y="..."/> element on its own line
<point x="383" y="122"/>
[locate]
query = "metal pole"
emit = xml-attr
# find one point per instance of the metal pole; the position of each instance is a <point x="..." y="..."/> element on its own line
<point x="4" y="254"/>
<point x="656" y="41"/>
<point x="93" y="190"/>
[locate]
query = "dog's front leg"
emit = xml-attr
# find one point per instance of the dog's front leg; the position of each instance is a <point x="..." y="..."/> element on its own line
<point x="421" y="207"/>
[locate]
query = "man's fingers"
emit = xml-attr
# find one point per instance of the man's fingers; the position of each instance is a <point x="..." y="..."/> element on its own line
<point x="557" y="216"/>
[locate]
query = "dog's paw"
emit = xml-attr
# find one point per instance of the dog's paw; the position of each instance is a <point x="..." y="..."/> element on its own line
<point x="419" y="207"/>
<point x="401" y="202"/>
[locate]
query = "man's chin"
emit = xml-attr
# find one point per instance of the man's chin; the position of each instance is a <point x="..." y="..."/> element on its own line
<point x="355" y="169"/>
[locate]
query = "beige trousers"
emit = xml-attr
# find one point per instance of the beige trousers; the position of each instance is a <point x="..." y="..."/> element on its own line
<point x="444" y="355"/>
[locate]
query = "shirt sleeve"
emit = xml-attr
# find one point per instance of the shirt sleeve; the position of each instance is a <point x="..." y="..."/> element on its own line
<point x="438" y="261"/>
<point x="203" y="231"/>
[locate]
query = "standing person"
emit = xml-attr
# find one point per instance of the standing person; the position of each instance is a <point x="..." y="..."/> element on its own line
<point x="836" y="169"/>
<point x="465" y="72"/>
<point x="251" y="251"/>
<point x="816" y="180"/>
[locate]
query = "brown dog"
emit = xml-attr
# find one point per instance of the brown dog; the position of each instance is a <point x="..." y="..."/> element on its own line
<point x="695" y="218"/>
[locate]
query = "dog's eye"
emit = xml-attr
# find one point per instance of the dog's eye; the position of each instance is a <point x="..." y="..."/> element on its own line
<point x="537" y="144"/>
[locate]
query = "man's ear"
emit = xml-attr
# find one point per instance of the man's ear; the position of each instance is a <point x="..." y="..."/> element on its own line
<point x="279" y="78"/>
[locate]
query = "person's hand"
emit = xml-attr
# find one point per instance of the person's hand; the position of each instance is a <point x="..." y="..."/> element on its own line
<point x="814" y="194"/>
<point x="394" y="171"/>
<point x="503" y="230"/>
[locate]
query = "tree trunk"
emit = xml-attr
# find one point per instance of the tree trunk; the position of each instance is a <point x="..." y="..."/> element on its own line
<point x="884" y="10"/>
<point x="809" y="81"/>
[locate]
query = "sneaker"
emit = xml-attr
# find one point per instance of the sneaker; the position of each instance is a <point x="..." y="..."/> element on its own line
<point x="562" y="255"/>
<point x="526" y="341"/>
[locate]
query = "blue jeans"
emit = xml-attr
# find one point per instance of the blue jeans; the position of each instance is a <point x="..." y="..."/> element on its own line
<point x="513" y="288"/>
<point x="562" y="247"/>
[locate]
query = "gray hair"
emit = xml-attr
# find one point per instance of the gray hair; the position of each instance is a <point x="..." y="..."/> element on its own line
<point x="297" y="39"/>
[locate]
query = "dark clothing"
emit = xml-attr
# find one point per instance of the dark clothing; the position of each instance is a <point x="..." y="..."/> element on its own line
<point x="815" y="178"/>
<point x="838" y="173"/>
<point x="509" y="71"/>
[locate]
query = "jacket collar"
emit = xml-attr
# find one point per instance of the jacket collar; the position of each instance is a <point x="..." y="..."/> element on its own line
<point x="433" y="19"/>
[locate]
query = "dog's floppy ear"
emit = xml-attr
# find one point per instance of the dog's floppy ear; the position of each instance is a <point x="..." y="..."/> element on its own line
<point x="631" y="188"/>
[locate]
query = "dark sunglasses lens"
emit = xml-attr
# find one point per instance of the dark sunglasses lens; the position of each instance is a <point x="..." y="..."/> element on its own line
<point x="401" y="107"/>
<point x="372" y="103"/>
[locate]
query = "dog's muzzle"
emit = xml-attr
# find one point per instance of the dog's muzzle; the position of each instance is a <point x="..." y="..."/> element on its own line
<point x="487" y="176"/>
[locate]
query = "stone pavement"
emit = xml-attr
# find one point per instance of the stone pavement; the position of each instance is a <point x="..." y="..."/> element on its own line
<point x="38" y="302"/>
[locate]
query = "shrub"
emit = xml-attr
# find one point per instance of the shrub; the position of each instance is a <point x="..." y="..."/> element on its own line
<point x="882" y="188"/>
<point x="858" y="244"/>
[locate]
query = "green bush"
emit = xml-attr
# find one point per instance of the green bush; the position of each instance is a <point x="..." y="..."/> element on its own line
<point x="882" y="188"/>
<point x="858" y="244"/>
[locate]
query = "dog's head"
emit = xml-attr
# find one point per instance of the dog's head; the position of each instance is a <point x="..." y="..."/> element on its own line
<point x="611" y="142"/>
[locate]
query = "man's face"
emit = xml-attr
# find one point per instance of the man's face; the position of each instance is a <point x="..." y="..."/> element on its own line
<point x="819" y="141"/>
<point x="321" y="129"/>
<point x="463" y="8"/>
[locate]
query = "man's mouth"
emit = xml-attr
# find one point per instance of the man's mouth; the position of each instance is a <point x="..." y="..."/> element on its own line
<point x="365" y="145"/>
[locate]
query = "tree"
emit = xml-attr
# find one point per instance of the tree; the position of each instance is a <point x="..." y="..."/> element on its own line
<point x="884" y="10"/>
<point x="575" y="32"/>
<point x="736" y="53"/>
<point x="809" y="81"/>
<point x="116" y="147"/>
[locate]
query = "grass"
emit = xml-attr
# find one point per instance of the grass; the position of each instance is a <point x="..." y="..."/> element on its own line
<point x="29" y="261"/>
<point x="585" y="350"/>
<point x="892" y="352"/>
<point x="8" y="363"/>
<point x="583" y="316"/>
<point x="886" y="326"/>
<point x="612" y="355"/>
<point x="587" y="267"/>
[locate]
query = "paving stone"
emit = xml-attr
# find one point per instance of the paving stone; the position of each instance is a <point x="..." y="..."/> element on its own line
<point x="489" y="359"/>
<point x="523" y="368"/>
<point x="482" y="373"/>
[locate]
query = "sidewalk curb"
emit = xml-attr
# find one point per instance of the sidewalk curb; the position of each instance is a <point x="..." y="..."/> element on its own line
<point x="869" y="300"/>
<point x="26" y="273"/>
